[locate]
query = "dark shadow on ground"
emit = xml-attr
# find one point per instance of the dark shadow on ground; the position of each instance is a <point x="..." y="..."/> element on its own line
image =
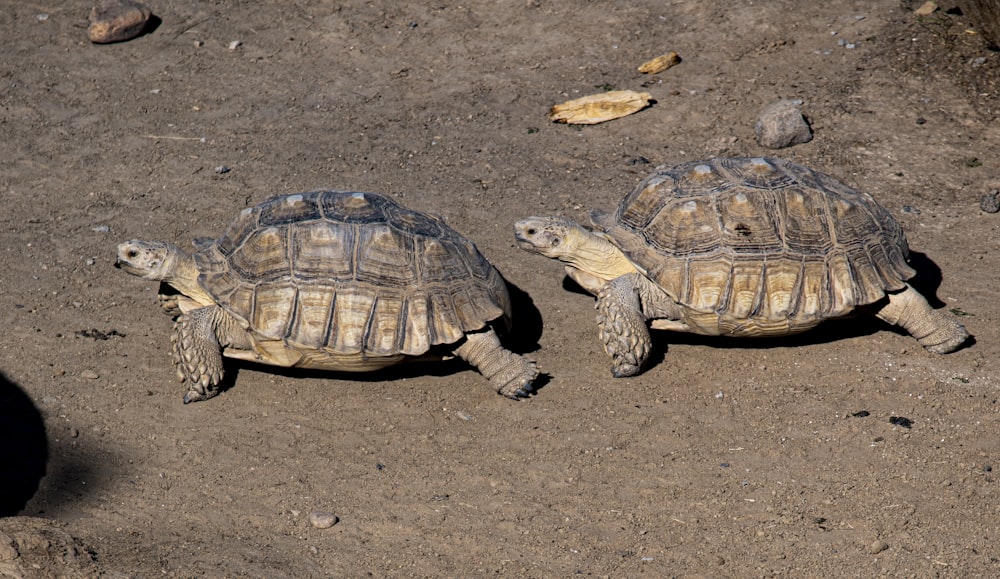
<point x="24" y="448"/>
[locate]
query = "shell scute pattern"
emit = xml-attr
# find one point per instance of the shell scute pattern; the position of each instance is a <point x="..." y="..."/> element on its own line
<point x="759" y="241"/>
<point x="385" y="257"/>
<point x="323" y="250"/>
<point x="351" y="273"/>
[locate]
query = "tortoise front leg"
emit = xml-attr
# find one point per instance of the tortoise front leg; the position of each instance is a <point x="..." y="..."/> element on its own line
<point x="511" y="374"/>
<point x="622" y="325"/>
<point x="197" y="352"/>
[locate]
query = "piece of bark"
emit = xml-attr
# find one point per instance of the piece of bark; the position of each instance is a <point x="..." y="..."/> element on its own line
<point x="598" y="108"/>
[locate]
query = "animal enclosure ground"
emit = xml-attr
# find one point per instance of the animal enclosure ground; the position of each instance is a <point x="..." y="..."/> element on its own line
<point x="846" y="451"/>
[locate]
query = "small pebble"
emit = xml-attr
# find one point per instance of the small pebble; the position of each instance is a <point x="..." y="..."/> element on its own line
<point x="990" y="202"/>
<point x="89" y="375"/>
<point x="926" y="9"/>
<point x="877" y="547"/>
<point x="117" y="20"/>
<point x="222" y="169"/>
<point x="73" y="433"/>
<point x="322" y="519"/>
<point x="235" y="44"/>
<point x="463" y="415"/>
<point x="42" y="17"/>
<point x="101" y="229"/>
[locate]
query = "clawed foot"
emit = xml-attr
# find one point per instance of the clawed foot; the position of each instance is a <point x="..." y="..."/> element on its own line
<point x="623" y="369"/>
<point x="517" y="391"/>
<point x="170" y="304"/>
<point x="194" y="395"/>
<point x="628" y="350"/>
<point x="201" y="386"/>
<point x="521" y="385"/>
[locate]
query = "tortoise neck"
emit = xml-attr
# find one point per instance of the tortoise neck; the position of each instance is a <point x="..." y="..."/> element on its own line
<point x="184" y="274"/>
<point x="599" y="257"/>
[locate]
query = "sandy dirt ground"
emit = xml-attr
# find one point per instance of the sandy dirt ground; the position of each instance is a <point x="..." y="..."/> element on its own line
<point x="785" y="457"/>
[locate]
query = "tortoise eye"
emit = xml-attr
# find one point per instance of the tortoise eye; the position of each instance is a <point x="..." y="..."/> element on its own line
<point x="532" y="231"/>
<point x="132" y="254"/>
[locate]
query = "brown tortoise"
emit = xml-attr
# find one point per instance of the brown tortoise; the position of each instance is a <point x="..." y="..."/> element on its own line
<point x="331" y="280"/>
<point x="738" y="247"/>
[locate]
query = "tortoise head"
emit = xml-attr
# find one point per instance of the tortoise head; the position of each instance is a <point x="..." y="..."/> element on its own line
<point x="148" y="259"/>
<point x="573" y="245"/>
<point x="553" y="237"/>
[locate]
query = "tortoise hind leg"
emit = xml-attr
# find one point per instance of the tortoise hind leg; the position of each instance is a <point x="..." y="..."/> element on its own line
<point x="197" y="351"/>
<point x="935" y="330"/>
<point x="510" y="373"/>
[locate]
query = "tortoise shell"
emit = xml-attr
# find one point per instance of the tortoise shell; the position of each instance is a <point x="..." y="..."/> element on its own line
<point x="759" y="246"/>
<point x="351" y="274"/>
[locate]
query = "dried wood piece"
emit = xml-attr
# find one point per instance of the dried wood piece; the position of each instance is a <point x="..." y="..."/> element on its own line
<point x="598" y="108"/>
<point x="660" y="63"/>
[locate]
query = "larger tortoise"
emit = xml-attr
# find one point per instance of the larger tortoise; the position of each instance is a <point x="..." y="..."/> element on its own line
<point x="331" y="280"/>
<point x="738" y="247"/>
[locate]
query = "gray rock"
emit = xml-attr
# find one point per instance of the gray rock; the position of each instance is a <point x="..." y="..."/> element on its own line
<point x="990" y="202"/>
<point x="781" y="125"/>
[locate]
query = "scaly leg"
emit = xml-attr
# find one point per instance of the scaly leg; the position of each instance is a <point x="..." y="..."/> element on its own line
<point x="511" y="374"/>
<point x="197" y="352"/>
<point x="935" y="330"/>
<point x="622" y="325"/>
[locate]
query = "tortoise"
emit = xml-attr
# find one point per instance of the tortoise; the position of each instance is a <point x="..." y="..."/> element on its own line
<point x="738" y="247"/>
<point x="331" y="280"/>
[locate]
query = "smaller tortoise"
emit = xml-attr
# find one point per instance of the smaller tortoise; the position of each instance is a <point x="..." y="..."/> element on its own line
<point x="738" y="247"/>
<point x="335" y="281"/>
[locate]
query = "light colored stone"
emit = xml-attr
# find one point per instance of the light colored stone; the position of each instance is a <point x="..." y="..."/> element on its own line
<point x="877" y="547"/>
<point x="781" y="125"/>
<point x="322" y="519"/>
